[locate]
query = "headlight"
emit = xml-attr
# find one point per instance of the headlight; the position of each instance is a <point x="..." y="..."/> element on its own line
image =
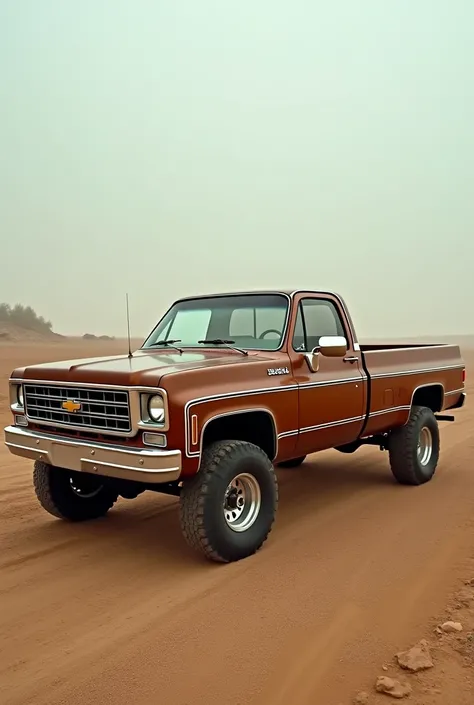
<point x="20" y="397"/>
<point x="156" y="409"/>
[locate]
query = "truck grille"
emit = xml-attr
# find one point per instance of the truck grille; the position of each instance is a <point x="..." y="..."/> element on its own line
<point x="101" y="409"/>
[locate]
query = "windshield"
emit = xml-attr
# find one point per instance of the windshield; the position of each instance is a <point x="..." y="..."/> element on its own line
<point x="250" y="321"/>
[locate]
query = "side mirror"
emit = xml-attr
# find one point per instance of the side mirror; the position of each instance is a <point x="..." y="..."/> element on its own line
<point x="332" y="345"/>
<point x="312" y="358"/>
<point x="329" y="346"/>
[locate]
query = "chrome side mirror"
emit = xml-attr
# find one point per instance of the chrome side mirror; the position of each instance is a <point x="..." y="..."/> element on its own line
<point x="332" y="345"/>
<point x="329" y="346"/>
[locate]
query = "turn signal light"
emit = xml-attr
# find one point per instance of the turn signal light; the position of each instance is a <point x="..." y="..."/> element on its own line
<point x="154" y="439"/>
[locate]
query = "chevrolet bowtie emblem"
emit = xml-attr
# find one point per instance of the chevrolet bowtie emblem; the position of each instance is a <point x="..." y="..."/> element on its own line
<point x="71" y="406"/>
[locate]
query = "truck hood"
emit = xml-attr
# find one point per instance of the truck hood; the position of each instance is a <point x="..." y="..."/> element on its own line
<point x="143" y="369"/>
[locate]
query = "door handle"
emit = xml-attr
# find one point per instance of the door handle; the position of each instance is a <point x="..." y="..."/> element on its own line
<point x="351" y="358"/>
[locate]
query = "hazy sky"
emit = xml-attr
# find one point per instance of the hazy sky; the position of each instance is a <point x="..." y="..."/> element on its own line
<point x="171" y="147"/>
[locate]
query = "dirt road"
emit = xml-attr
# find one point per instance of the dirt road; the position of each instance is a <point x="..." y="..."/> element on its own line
<point x="119" y="611"/>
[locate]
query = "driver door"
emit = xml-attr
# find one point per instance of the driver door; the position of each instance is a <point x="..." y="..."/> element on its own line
<point x="332" y="399"/>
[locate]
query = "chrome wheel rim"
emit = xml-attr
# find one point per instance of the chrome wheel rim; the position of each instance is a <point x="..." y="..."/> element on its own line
<point x="242" y="502"/>
<point x="425" y="446"/>
<point x="84" y="492"/>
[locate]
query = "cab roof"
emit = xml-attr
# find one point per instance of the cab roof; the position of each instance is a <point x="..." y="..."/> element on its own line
<point x="285" y="292"/>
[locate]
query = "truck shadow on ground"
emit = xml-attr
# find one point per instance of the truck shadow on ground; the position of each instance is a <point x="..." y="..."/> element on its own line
<point x="148" y="527"/>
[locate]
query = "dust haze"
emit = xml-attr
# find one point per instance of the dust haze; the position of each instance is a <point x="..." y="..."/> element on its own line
<point x="168" y="149"/>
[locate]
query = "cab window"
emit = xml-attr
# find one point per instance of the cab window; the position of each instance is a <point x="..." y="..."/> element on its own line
<point x="315" y="318"/>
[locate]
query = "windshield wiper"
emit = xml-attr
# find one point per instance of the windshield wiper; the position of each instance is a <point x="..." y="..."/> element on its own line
<point x="220" y="341"/>
<point x="167" y="343"/>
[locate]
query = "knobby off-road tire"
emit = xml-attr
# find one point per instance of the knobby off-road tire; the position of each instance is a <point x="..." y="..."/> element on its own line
<point x="293" y="463"/>
<point x="414" y="448"/>
<point x="71" y="496"/>
<point x="227" y="510"/>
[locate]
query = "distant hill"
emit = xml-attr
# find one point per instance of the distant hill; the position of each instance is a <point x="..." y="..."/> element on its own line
<point x="10" y="333"/>
<point x="23" y="323"/>
<point x="91" y="336"/>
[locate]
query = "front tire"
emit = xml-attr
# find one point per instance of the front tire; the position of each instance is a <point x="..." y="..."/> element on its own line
<point x="227" y="510"/>
<point x="69" y="495"/>
<point x="414" y="448"/>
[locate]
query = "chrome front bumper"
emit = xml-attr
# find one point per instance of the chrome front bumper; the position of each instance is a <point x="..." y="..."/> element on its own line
<point x="137" y="464"/>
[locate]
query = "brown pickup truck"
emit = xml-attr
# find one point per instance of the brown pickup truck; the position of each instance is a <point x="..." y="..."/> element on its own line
<point x="225" y="387"/>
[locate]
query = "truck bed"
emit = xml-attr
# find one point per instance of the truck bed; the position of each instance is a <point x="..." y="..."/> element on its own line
<point x="399" y="375"/>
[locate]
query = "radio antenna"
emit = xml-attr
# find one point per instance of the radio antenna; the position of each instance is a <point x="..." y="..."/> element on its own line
<point x="128" y="330"/>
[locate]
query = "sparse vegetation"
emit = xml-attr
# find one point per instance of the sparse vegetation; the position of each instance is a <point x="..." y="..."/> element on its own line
<point x="24" y="317"/>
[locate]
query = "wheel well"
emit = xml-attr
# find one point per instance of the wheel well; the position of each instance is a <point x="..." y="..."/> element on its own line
<point x="431" y="396"/>
<point x="256" y="427"/>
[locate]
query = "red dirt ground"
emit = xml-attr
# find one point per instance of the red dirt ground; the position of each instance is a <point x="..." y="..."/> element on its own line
<point x="356" y="569"/>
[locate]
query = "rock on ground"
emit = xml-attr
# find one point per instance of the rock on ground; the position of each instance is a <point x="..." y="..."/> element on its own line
<point x="361" y="699"/>
<point x="465" y="597"/>
<point x="450" y="627"/>
<point x="393" y="687"/>
<point x="418" y="658"/>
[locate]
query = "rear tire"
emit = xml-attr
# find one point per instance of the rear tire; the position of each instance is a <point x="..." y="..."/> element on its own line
<point x="69" y="495"/>
<point x="293" y="463"/>
<point x="227" y="510"/>
<point x="414" y="448"/>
